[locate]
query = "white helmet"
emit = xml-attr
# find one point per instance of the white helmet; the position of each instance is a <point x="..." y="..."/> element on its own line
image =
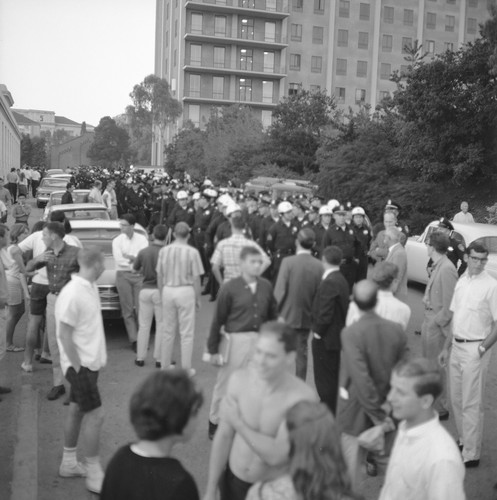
<point x="232" y="208"/>
<point x="325" y="210"/>
<point x="333" y="203"/>
<point x="358" y="211"/>
<point x="182" y="195"/>
<point x="284" y="207"/>
<point x="196" y="196"/>
<point x="225" y="200"/>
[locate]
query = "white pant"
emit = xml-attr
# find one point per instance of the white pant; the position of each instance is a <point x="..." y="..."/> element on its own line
<point x="149" y="305"/>
<point x="468" y="373"/>
<point x="178" y="315"/>
<point x="58" y="377"/>
<point x="3" y="332"/>
<point x="240" y="351"/>
<point x="355" y="458"/>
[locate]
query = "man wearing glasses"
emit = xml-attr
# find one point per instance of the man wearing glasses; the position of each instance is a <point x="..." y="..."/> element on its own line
<point x="474" y="331"/>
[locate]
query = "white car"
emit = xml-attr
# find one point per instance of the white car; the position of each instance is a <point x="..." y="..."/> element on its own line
<point x="100" y="233"/>
<point x="78" y="196"/>
<point x="81" y="211"/>
<point x="416" y="248"/>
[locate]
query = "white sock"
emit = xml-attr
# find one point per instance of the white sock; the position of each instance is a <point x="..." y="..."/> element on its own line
<point x="93" y="465"/>
<point x="69" y="456"/>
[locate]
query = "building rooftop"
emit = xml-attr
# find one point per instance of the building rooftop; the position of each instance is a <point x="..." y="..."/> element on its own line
<point x="62" y="120"/>
<point x="23" y="120"/>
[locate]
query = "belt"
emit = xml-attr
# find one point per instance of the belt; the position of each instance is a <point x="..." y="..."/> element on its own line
<point x="464" y="341"/>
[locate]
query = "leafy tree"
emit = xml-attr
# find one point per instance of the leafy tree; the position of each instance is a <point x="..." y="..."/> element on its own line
<point x="110" y="146"/>
<point x="300" y="123"/>
<point x="186" y="152"/>
<point x="39" y="156"/>
<point x="26" y="149"/>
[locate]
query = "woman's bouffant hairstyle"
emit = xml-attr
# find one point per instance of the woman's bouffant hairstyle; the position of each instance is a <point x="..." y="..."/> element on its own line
<point x="317" y="466"/>
<point x="163" y="405"/>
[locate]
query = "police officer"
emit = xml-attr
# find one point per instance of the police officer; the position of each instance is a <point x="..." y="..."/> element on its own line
<point x="324" y="222"/>
<point x="281" y="237"/>
<point x="203" y="217"/>
<point x="299" y="211"/>
<point x="135" y="200"/>
<point x="253" y="216"/>
<point x="364" y="236"/>
<point x="181" y="211"/>
<point x="342" y="235"/>
<point x="456" y="249"/>
<point x="394" y="208"/>
<point x="224" y="229"/>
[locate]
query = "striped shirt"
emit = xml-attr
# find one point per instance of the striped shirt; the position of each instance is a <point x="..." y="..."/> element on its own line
<point x="179" y="264"/>
<point x="227" y="255"/>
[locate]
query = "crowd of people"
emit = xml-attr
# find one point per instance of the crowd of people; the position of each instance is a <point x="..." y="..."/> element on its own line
<point x="282" y="272"/>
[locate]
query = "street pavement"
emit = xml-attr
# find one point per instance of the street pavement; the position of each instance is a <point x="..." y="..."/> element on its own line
<point x="31" y="427"/>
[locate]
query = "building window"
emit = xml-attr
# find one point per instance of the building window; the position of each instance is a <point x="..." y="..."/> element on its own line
<point x="343" y="38"/>
<point x="293" y="88"/>
<point x="472" y="24"/>
<point x="175" y="57"/>
<point x="167" y="11"/>
<point x="247" y="29"/>
<point x="195" y="55"/>
<point x="271" y="5"/>
<point x="317" y="35"/>
<point x="473" y="3"/>
<point x="386" y="43"/>
<point x="246" y="59"/>
<point x="340" y="94"/>
<point x="384" y="94"/>
<point x="363" y="42"/>
<point x="194" y="86"/>
<point x="295" y="62"/>
<point x="431" y="20"/>
<point x="245" y="89"/>
<point x="319" y="6"/>
<point x="297" y="5"/>
<point x="364" y="11"/>
<point x="430" y="46"/>
<point x="406" y="44"/>
<point x="167" y="38"/>
<point x="344" y="8"/>
<point x="341" y="66"/>
<point x="385" y="71"/>
<point x="449" y="46"/>
<point x="247" y="4"/>
<point x="219" y="57"/>
<point x="408" y="17"/>
<point x="266" y="118"/>
<point x="388" y="14"/>
<point x="220" y="26"/>
<point x="197" y="23"/>
<point x="176" y="28"/>
<point x="450" y="23"/>
<point x="316" y="64"/>
<point x="315" y="88"/>
<point x="267" y="91"/>
<point x="270" y="32"/>
<point x="218" y="87"/>
<point x="360" y="96"/>
<point x="194" y="114"/>
<point x="268" y="62"/>
<point x="296" y="32"/>
<point x="362" y="69"/>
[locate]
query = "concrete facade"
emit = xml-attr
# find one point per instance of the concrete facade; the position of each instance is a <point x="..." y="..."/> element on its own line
<point x="72" y="153"/>
<point x="10" y="136"/>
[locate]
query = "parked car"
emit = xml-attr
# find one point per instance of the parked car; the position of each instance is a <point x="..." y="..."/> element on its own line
<point x="417" y="256"/>
<point x="78" y="196"/>
<point x="81" y="211"/>
<point x="53" y="171"/>
<point x="100" y="233"/>
<point x="47" y="186"/>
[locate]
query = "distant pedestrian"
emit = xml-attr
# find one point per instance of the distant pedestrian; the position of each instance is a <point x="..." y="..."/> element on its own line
<point x="67" y="196"/>
<point x="163" y="413"/>
<point x="83" y="353"/>
<point x="12" y="180"/>
<point x="109" y="199"/>
<point x="179" y="269"/>
<point x="150" y="304"/>
<point x="21" y="210"/>
<point x="35" y="181"/>
<point x="464" y="217"/>
<point x="398" y="256"/>
<point x="95" y="195"/>
<point x="23" y="183"/>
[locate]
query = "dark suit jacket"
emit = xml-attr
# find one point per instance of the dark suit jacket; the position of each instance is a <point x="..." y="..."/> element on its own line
<point x="298" y="281"/>
<point x="371" y="347"/>
<point x="330" y="309"/>
<point x="66" y="198"/>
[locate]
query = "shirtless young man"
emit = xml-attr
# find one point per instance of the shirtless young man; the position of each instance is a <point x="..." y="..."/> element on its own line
<point x="251" y="443"/>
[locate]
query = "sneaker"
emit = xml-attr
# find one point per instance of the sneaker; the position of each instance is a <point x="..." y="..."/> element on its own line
<point x="139" y="362"/>
<point x="45" y="361"/>
<point x="94" y="481"/>
<point x="158" y="364"/>
<point x="27" y="367"/>
<point x="56" y="392"/>
<point x="14" y="348"/>
<point x="72" y="470"/>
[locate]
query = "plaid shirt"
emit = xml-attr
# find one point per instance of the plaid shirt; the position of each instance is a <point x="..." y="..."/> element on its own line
<point x="227" y="255"/>
<point x="61" y="267"/>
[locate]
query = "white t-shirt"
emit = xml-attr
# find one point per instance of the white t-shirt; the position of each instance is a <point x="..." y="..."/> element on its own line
<point x="78" y="305"/>
<point x="122" y="245"/>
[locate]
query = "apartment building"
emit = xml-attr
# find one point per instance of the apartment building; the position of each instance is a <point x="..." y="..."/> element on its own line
<point x="222" y="52"/>
<point x="10" y="136"/>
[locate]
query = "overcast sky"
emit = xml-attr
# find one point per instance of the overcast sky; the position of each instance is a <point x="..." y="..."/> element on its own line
<point x="79" y="58"/>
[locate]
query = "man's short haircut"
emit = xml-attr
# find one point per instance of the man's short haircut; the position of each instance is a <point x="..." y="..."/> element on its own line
<point x="56" y="228"/>
<point x="97" y="183"/>
<point x="394" y="234"/>
<point x="283" y="332"/>
<point x="439" y="241"/>
<point x="477" y="247"/>
<point x="160" y="232"/>
<point x="366" y="295"/>
<point x="89" y="256"/>
<point x="129" y="218"/>
<point x="384" y="273"/>
<point x="38" y="226"/>
<point x="306" y="238"/>
<point x="69" y="185"/>
<point x="181" y="230"/>
<point x="427" y="372"/>
<point x="163" y="405"/>
<point x="248" y="251"/>
<point x="333" y="255"/>
<point x="237" y="222"/>
<point x="3" y="230"/>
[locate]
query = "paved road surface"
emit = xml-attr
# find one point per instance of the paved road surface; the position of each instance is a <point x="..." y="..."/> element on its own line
<point x="37" y="430"/>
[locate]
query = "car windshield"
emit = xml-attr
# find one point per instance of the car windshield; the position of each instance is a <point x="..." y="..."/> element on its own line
<point x="87" y="214"/>
<point x="53" y="183"/>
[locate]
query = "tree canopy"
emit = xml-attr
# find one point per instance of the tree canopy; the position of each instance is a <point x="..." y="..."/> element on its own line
<point x="110" y="146"/>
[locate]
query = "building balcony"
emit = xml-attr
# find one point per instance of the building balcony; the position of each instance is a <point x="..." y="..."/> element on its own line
<point x="201" y="97"/>
<point x="257" y="70"/>
<point x="249" y="38"/>
<point x="268" y="9"/>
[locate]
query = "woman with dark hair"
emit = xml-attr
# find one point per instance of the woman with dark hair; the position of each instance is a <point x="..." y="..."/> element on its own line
<point x="163" y="413"/>
<point x="316" y="468"/>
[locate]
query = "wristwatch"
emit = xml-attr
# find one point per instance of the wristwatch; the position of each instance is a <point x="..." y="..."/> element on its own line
<point x="482" y="349"/>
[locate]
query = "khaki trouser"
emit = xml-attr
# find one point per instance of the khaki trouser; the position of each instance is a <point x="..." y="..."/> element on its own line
<point x="58" y="376"/>
<point x="355" y="459"/>
<point x="468" y="373"/>
<point x="150" y="305"/>
<point x="128" y="286"/>
<point x="241" y="348"/>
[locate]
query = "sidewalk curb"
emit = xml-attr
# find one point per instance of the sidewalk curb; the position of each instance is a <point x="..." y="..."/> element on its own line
<point x="25" y="469"/>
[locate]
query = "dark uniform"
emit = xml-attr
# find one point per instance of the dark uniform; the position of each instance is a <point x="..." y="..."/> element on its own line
<point x="155" y="203"/>
<point x="280" y="242"/>
<point x="134" y="202"/>
<point x="319" y="231"/>
<point x="180" y="214"/>
<point x="456" y="249"/>
<point x="203" y="217"/>
<point x="364" y="237"/>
